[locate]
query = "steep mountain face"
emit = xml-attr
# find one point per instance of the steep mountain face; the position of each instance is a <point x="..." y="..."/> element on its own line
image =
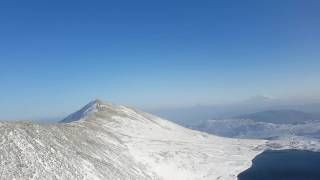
<point x="105" y="141"/>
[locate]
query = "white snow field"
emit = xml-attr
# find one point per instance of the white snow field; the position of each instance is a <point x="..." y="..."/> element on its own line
<point x="105" y="141"/>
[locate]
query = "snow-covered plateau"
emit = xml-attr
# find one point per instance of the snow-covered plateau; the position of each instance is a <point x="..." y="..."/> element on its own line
<point x="106" y="141"/>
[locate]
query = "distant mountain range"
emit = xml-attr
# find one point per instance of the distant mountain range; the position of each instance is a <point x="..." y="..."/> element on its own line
<point x="281" y="116"/>
<point x="272" y="124"/>
<point x="193" y="115"/>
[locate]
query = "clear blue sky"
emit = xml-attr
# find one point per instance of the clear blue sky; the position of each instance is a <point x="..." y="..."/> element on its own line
<point x="57" y="55"/>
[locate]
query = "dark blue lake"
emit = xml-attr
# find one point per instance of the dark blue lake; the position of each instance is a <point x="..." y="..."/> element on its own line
<point x="284" y="165"/>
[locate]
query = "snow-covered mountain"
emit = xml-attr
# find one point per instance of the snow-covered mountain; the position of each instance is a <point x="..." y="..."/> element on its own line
<point x="106" y="141"/>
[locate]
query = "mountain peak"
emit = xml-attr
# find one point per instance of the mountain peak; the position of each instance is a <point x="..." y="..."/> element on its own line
<point x="96" y="105"/>
<point x="97" y="101"/>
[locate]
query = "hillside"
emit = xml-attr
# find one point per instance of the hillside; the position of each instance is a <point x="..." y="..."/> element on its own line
<point x="106" y="141"/>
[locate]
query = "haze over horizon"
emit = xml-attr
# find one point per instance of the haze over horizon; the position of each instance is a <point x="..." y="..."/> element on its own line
<point x="57" y="56"/>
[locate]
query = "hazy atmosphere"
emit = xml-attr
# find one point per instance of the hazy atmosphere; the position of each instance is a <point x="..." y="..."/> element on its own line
<point x="56" y="56"/>
<point x="159" y="90"/>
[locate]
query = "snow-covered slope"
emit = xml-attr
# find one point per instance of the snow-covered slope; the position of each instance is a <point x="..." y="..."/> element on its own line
<point x="105" y="141"/>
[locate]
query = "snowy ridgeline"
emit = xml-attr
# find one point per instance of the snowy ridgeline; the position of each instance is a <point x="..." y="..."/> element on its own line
<point x="105" y="141"/>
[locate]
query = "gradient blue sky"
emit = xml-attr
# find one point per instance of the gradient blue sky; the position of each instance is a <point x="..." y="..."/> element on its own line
<point x="57" y="55"/>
